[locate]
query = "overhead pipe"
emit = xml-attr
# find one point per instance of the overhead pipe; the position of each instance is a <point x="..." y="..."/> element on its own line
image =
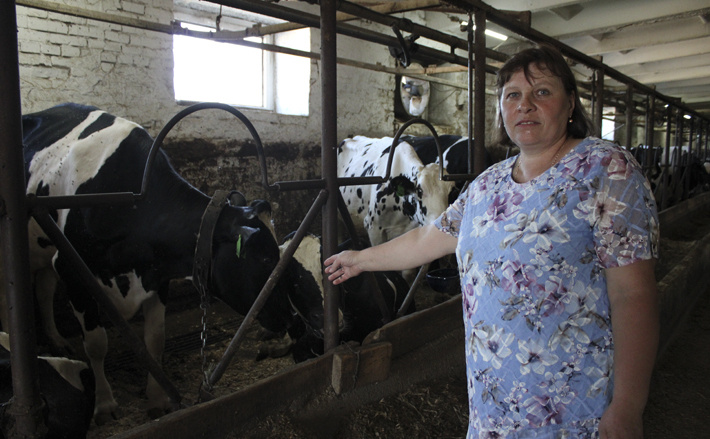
<point x="290" y="14"/>
<point x="417" y="29"/>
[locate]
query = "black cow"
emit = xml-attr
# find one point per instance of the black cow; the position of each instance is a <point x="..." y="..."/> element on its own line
<point x="134" y="251"/>
<point x="67" y="391"/>
<point x="361" y="313"/>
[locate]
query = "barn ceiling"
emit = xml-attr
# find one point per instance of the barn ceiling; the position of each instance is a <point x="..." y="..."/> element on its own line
<point x="659" y="43"/>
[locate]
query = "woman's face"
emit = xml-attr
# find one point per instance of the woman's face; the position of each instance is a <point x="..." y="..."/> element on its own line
<point x="535" y="113"/>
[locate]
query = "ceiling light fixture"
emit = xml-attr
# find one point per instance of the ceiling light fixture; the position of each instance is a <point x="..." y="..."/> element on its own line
<point x="490" y="33"/>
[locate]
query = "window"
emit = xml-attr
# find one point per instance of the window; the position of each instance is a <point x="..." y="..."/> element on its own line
<point x="608" y="124"/>
<point x="211" y="71"/>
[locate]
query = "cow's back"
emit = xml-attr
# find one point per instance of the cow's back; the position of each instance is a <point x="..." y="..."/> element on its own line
<point x="361" y="157"/>
<point x="68" y="145"/>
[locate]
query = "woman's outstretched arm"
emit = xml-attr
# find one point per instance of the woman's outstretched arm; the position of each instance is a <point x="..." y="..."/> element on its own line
<point x="414" y="248"/>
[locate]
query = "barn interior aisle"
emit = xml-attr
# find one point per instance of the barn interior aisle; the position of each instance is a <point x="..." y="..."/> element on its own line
<point x="680" y="389"/>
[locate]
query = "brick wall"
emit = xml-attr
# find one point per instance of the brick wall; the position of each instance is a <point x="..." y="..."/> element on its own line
<point x="128" y="72"/>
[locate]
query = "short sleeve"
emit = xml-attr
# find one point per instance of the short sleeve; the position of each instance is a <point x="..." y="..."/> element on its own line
<point x="450" y="221"/>
<point x="623" y="213"/>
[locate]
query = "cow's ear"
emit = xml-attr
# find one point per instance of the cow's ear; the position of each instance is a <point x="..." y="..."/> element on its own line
<point x="260" y="208"/>
<point x="402" y="186"/>
<point x="243" y="235"/>
<point x="237" y="198"/>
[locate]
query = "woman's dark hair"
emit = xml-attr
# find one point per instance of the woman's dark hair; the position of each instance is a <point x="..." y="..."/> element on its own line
<point x="544" y="57"/>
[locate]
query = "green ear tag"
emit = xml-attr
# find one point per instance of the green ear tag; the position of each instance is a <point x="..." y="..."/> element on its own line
<point x="239" y="246"/>
<point x="400" y="190"/>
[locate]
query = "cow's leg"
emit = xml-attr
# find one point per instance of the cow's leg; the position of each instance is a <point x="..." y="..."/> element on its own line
<point x="154" y="337"/>
<point x="46" y="282"/>
<point x="96" y="345"/>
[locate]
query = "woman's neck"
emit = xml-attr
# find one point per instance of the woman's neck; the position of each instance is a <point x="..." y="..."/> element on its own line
<point x="531" y="164"/>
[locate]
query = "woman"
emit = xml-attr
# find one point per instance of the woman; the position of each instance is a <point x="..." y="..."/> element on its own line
<point x="556" y="250"/>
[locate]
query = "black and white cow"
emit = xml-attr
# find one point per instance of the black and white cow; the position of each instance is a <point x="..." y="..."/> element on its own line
<point x="44" y="284"/>
<point x="455" y="153"/>
<point x="414" y="195"/>
<point x="135" y="250"/>
<point x="66" y="388"/>
<point x="360" y="312"/>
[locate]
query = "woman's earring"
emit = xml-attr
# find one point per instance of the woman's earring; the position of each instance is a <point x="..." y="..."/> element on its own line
<point x="570" y="120"/>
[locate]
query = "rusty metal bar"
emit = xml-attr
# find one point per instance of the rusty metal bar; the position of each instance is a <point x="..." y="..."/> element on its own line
<point x="80" y="200"/>
<point x="329" y="162"/>
<point x="629" y="115"/>
<point x="26" y="407"/>
<point x="665" y="167"/>
<point x="479" y="90"/>
<point x="266" y="290"/>
<point x="158" y="141"/>
<point x="470" y="82"/>
<point x="415" y="284"/>
<point x="84" y="275"/>
<point x="650" y="120"/>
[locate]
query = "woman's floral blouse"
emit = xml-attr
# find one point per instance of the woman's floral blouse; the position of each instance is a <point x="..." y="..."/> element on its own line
<point x="531" y="256"/>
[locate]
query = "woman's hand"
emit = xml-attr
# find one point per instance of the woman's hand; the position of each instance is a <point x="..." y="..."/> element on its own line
<point x="342" y="266"/>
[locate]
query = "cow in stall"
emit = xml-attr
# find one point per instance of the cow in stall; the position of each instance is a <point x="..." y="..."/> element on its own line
<point x="413" y="196"/>
<point x="455" y="155"/>
<point x="360" y="313"/>
<point x="44" y="284"/>
<point x="134" y="251"/>
<point x="67" y="391"/>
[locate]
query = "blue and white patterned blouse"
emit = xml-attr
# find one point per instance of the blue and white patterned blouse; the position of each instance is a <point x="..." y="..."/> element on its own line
<point x="531" y="256"/>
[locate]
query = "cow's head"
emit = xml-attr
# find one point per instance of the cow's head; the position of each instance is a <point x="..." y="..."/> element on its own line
<point x="244" y="255"/>
<point x="423" y="196"/>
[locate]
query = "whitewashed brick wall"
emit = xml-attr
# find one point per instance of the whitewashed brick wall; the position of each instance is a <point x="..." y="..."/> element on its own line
<point x="128" y="72"/>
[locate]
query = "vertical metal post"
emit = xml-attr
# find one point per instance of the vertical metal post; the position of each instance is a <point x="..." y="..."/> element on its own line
<point x="27" y="406"/>
<point x="329" y="161"/>
<point x="666" y="167"/>
<point x="479" y="89"/>
<point x="599" y="103"/>
<point x="629" y="116"/>
<point x="650" y="123"/>
<point x="707" y="138"/>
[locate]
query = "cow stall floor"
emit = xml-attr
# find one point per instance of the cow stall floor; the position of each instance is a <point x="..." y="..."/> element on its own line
<point x="183" y="360"/>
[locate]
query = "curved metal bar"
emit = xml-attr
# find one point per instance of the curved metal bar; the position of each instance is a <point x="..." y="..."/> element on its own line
<point x="405" y="60"/>
<point x="157" y="143"/>
<point x="400" y="131"/>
